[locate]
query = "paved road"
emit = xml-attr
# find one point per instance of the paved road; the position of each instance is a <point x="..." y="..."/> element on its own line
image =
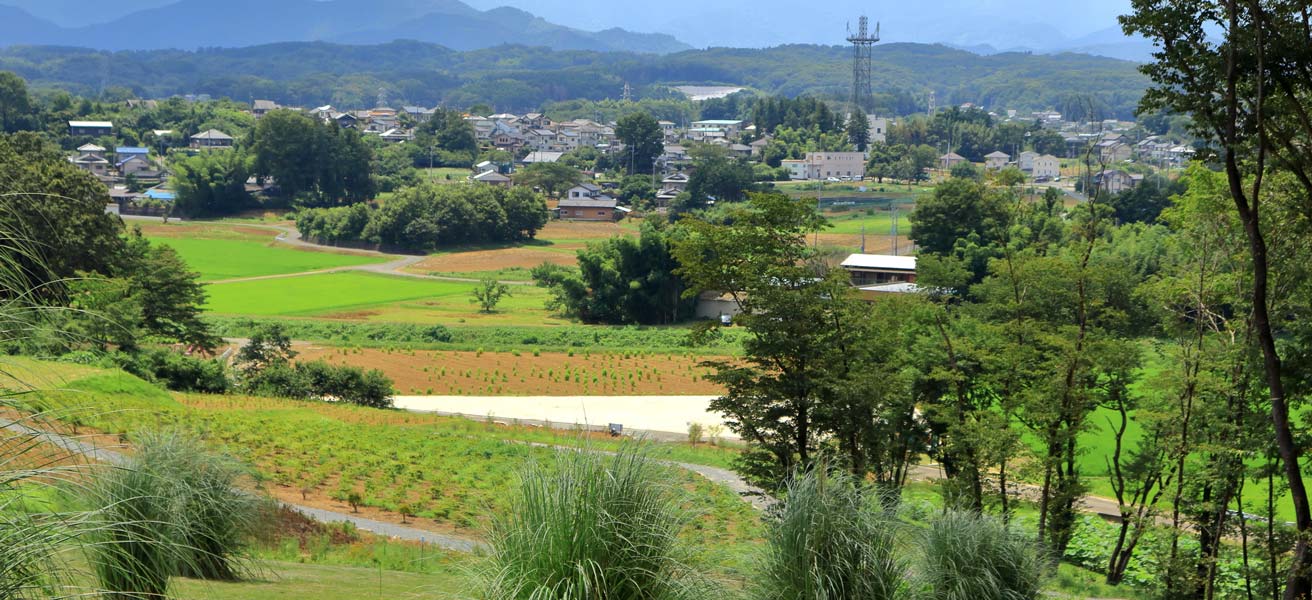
<point x="114" y="457"/>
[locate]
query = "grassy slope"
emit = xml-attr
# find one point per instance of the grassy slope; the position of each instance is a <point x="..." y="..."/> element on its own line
<point x="324" y="582"/>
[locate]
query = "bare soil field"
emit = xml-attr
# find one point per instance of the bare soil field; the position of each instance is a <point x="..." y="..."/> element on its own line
<point x="453" y="373"/>
<point x="524" y="257"/>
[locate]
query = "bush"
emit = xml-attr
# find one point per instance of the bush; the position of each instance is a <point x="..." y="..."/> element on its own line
<point x="833" y="540"/>
<point x="177" y="372"/>
<point x="173" y="509"/>
<point x="968" y="556"/>
<point x="318" y="380"/>
<point x="593" y="527"/>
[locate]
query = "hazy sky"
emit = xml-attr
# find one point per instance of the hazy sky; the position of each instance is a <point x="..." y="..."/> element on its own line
<point x="771" y="22"/>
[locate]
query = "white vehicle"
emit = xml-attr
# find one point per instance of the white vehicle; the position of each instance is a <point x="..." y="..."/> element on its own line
<point x="832" y="180"/>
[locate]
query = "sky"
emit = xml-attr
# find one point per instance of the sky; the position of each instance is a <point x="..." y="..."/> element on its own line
<point x="1000" y="23"/>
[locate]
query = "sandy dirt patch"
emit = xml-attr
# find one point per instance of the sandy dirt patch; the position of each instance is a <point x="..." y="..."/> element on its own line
<point x="670" y="414"/>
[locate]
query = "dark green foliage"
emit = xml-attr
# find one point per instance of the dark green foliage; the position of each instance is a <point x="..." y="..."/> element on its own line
<point x="427" y="217"/>
<point x="313" y="163"/>
<point x="858" y="129"/>
<point x="168" y="291"/>
<point x="1145" y="202"/>
<point x="15" y="103"/>
<point x="318" y="380"/>
<point x="43" y="197"/>
<point x="621" y="280"/>
<point x="551" y="178"/>
<point x="717" y="178"/>
<point x="519" y="78"/>
<point x="212" y="183"/>
<point x="489" y="293"/>
<point x="643" y="141"/>
<point x="177" y="372"/>
<point x="804" y="112"/>
<point x="958" y="208"/>
<point x="446" y="140"/>
<point x="269" y="345"/>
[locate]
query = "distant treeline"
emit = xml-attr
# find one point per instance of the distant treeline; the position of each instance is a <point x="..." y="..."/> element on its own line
<point x="515" y="78"/>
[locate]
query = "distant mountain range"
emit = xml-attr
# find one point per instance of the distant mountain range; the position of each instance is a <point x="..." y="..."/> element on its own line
<point x="192" y="24"/>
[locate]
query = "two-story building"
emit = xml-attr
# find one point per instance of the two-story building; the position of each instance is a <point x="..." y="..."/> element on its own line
<point x="90" y="128"/>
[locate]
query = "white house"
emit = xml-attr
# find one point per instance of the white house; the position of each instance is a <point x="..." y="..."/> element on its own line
<point x="995" y="161"/>
<point x="1047" y="166"/>
<point x="1026" y="160"/>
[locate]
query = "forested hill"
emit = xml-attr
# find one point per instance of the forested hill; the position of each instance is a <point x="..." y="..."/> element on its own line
<point x="521" y="78"/>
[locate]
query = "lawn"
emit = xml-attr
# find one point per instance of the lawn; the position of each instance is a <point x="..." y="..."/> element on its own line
<point x="875" y="222"/>
<point x="375" y="297"/>
<point x="287" y="580"/>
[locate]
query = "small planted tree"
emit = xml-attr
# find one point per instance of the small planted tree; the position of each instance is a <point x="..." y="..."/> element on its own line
<point x="489" y="293"/>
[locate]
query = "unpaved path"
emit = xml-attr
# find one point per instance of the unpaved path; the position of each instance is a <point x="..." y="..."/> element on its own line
<point x="395" y="267"/>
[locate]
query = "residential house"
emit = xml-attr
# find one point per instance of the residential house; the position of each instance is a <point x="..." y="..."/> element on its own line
<point x="674" y="153"/>
<point x="535" y="121"/>
<point x="1026" y="161"/>
<point x="1046" y="167"/>
<point x="600" y="208"/>
<point x="134" y="164"/>
<point x="541" y="157"/>
<point x="396" y="135"/>
<point x="539" y="139"/>
<point x="1115" y="181"/>
<point x="1114" y="151"/>
<point x="797" y="168"/>
<point x="758" y="146"/>
<point x="875" y="269"/>
<point x="492" y="177"/>
<point x="996" y="161"/>
<point x="93" y="163"/>
<point x="677" y="182"/>
<point x="212" y="138"/>
<point x="740" y="150"/>
<point x="505" y="136"/>
<point x="91" y="149"/>
<point x="346" y="120"/>
<point x="668" y="128"/>
<point x="584" y="190"/>
<point x="418" y="114"/>
<point x="482" y="127"/>
<point x="826" y="165"/>
<point x="259" y="108"/>
<point x="90" y="128"/>
<point x="951" y="159"/>
<point x="729" y="128"/>
<point x="122" y="152"/>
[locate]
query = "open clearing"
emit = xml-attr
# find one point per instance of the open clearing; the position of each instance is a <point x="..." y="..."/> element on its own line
<point x="373" y="297"/>
<point x="439" y="373"/>
<point x="513" y="260"/>
<point x="669" y="414"/>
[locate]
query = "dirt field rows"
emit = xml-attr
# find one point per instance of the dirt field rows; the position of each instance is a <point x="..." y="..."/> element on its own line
<point x="548" y="373"/>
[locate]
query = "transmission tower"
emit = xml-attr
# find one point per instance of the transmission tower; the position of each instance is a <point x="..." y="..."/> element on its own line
<point x="862" y="44"/>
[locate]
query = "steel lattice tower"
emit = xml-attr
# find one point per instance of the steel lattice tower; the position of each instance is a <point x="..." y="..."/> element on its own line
<point x="862" y="44"/>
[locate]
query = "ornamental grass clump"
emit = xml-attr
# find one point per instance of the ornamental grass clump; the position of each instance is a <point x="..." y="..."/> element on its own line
<point x="172" y="509"/>
<point x="833" y="539"/>
<point x="969" y="556"/>
<point x="592" y="526"/>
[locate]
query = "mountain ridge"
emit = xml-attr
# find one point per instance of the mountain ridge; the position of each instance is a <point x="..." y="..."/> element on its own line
<point x="192" y="24"/>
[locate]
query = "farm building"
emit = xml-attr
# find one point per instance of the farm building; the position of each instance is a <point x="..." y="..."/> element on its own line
<point x="601" y="208"/>
<point x="874" y="269"/>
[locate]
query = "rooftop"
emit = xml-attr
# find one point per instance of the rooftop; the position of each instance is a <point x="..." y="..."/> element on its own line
<point x="587" y="203"/>
<point x="880" y="261"/>
<point x="91" y="124"/>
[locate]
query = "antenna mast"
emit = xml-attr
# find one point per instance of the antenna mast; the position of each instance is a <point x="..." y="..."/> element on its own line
<point x="862" y="43"/>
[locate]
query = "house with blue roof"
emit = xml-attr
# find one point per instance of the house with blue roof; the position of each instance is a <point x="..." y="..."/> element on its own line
<point x="161" y="195"/>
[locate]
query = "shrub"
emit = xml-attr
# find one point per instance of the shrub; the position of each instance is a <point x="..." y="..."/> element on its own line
<point x="968" y="556"/>
<point x="593" y="527"/>
<point x="176" y="371"/>
<point x="833" y="540"/>
<point x="172" y="509"/>
<point x="319" y="379"/>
